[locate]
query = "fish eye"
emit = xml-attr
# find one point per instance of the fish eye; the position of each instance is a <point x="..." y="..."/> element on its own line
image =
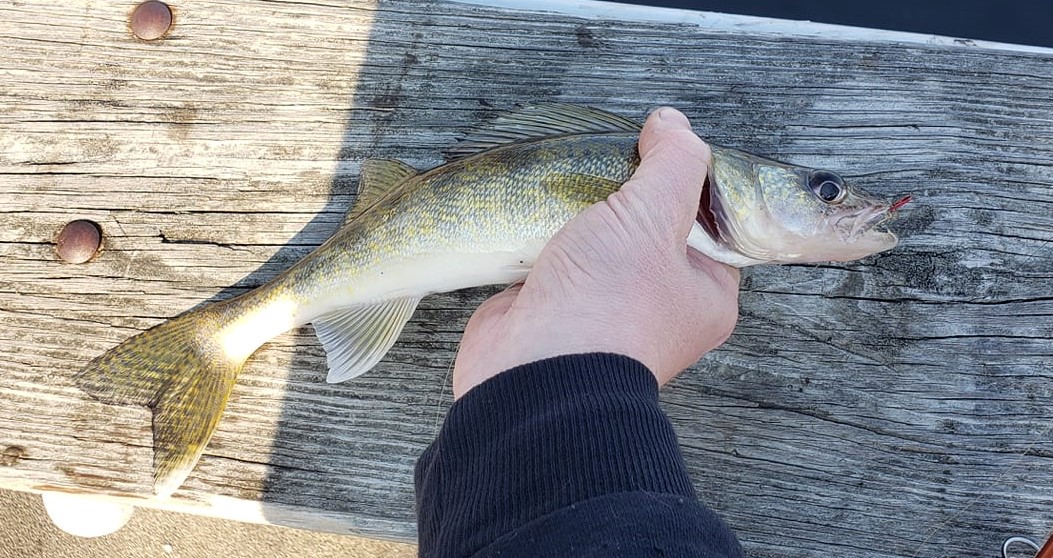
<point x="827" y="186"/>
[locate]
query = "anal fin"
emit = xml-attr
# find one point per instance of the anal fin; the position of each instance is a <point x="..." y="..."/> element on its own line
<point x="356" y="338"/>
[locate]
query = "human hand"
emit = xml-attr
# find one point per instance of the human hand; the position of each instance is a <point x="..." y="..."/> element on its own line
<point x="618" y="278"/>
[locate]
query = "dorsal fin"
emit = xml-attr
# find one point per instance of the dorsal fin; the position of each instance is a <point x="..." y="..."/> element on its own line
<point x="539" y="121"/>
<point x="376" y="179"/>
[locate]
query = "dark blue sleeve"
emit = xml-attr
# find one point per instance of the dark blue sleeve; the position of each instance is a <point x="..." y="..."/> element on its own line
<point x="569" y="456"/>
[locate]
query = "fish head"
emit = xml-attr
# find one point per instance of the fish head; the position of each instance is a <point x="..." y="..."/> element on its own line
<point x="772" y="212"/>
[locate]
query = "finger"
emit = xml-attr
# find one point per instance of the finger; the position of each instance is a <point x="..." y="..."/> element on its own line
<point x="499" y="304"/>
<point x="725" y="276"/>
<point x="494" y="308"/>
<point x="472" y="366"/>
<point x="673" y="167"/>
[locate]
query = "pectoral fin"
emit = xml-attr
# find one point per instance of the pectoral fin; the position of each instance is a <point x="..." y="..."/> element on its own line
<point x="355" y="339"/>
<point x="579" y="190"/>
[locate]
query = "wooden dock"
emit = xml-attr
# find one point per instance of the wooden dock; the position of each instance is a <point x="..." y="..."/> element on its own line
<point x="900" y="406"/>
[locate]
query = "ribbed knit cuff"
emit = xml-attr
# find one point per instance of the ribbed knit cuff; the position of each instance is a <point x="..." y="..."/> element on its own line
<point x="541" y="437"/>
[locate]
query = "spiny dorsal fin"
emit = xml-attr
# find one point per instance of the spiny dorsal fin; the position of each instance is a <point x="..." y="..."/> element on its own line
<point x="539" y="121"/>
<point x="377" y="178"/>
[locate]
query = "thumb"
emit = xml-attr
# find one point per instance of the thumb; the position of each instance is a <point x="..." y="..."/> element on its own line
<point x="673" y="167"/>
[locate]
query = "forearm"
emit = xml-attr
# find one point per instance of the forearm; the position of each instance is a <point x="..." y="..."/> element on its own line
<point x="574" y="450"/>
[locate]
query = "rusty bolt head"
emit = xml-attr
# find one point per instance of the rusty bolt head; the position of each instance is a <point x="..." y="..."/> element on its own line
<point x="12" y="455"/>
<point x="78" y="241"/>
<point x="151" y="20"/>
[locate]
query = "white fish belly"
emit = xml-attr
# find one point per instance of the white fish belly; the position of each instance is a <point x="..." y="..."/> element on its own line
<point x="425" y="275"/>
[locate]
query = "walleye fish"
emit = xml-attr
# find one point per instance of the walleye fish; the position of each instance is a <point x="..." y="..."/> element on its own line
<point x="482" y="218"/>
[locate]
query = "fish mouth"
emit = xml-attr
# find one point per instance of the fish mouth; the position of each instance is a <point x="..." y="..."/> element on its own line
<point x="709" y="207"/>
<point x="871" y="218"/>
<point x="859" y="223"/>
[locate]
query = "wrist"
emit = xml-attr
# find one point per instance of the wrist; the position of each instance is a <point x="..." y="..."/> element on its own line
<point x="546" y="339"/>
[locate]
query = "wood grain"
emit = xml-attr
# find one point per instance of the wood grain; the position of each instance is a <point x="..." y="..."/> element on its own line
<point x="898" y="406"/>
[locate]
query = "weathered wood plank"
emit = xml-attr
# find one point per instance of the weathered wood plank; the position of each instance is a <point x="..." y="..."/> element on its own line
<point x="893" y="407"/>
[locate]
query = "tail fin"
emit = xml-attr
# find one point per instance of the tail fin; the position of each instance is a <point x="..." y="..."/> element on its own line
<point x="180" y="371"/>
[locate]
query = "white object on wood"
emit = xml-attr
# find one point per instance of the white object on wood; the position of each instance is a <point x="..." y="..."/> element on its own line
<point x="85" y="516"/>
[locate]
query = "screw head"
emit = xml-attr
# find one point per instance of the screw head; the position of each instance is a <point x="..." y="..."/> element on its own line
<point x="151" y="20"/>
<point x="79" y="241"/>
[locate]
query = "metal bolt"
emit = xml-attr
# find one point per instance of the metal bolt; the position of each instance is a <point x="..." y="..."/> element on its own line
<point x="151" y="20"/>
<point x="12" y="455"/>
<point x="79" y="241"/>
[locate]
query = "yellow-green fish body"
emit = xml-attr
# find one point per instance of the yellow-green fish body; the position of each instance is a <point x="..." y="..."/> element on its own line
<point x="480" y="219"/>
<point x="476" y="221"/>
